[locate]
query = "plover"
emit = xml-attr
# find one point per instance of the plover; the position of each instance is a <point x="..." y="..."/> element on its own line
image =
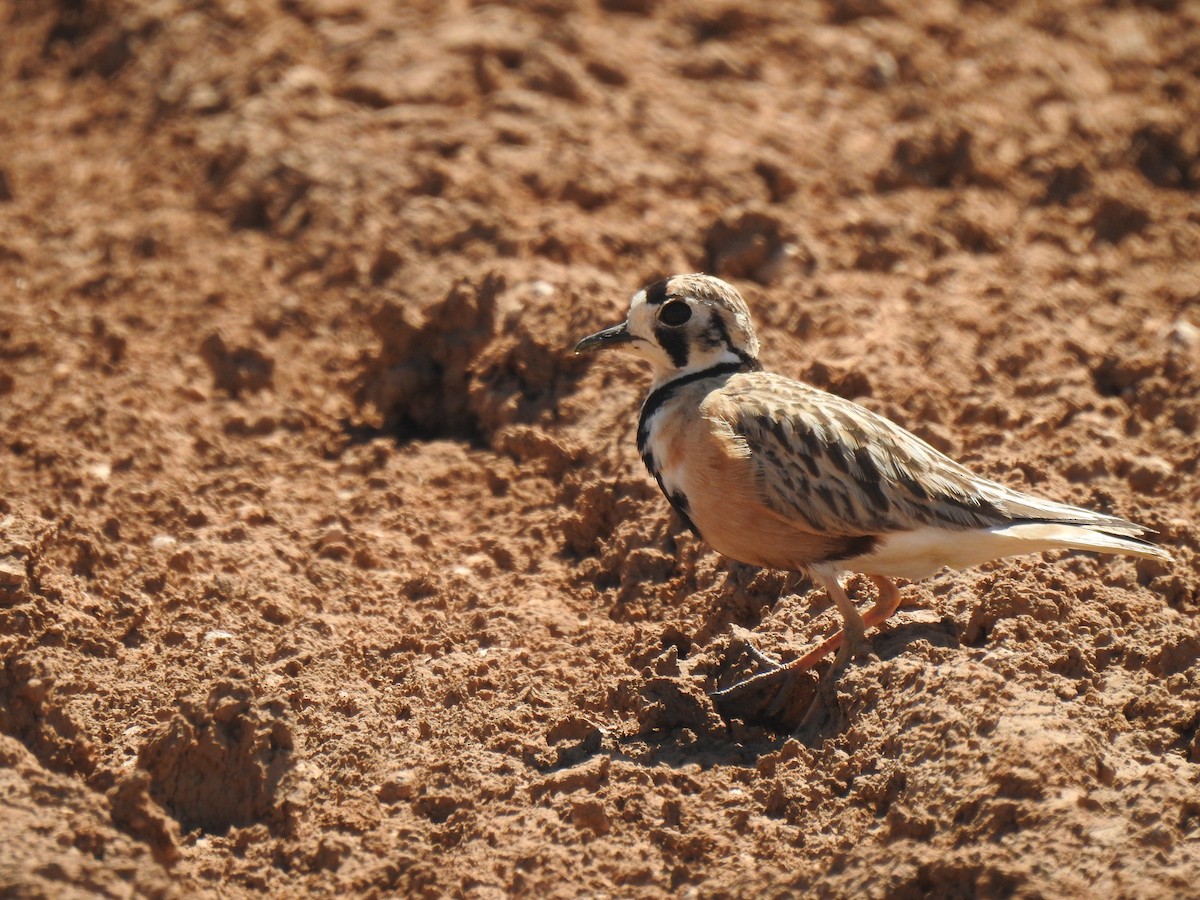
<point x="775" y="473"/>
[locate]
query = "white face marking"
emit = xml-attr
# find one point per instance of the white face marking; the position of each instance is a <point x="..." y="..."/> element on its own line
<point x="640" y="324"/>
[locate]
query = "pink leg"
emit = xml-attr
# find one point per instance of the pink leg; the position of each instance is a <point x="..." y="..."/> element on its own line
<point x="854" y="625"/>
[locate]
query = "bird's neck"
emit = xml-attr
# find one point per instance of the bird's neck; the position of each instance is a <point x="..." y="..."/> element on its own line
<point x="725" y="363"/>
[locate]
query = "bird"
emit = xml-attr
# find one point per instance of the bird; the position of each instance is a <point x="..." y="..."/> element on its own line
<point x="778" y="474"/>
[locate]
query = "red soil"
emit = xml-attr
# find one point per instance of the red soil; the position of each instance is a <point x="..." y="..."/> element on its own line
<point x="325" y="566"/>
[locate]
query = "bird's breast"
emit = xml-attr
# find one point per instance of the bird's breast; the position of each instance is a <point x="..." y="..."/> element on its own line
<point x="708" y="474"/>
<point x="699" y="459"/>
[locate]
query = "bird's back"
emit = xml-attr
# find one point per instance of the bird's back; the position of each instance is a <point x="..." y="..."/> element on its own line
<point x="775" y="472"/>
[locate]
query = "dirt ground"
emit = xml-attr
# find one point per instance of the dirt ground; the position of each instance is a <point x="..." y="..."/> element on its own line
<point x="325" y="566"/>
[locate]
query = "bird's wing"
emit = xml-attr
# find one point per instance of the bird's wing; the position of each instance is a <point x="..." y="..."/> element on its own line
<point x="845" y="470"/>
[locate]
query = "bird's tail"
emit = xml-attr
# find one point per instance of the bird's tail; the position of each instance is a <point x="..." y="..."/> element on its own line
<point x="1063" y="536"/>
<point x="1047" y="525"/>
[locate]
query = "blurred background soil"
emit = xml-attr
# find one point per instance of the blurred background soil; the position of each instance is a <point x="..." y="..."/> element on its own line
<point x="325" y="567"/>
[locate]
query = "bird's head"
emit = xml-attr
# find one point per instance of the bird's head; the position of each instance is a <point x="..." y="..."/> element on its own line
<point x="682" y="324"/>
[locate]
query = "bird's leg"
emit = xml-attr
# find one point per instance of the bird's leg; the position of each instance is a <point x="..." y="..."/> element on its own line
<point x="854" y="629"/>
<point x="851" y="640"/>
<point x="885" y="605"/>
<point x="855" y="643"/>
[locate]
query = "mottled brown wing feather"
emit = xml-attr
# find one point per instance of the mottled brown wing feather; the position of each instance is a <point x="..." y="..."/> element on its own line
<point x="843" y="469"/>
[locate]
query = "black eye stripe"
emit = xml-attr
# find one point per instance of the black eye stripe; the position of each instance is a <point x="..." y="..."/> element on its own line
<point x="674" y="343"/>
<point x="675" y="313"/>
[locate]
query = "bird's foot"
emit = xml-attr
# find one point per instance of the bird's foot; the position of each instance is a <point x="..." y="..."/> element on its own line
<point x="766" y="660"/>
<point x="768" y="668"/>
<point x="854" y="646"/>
<point x="821" y="708"/>
<point x="753" y="682"/>
<point x="775" y="672"/>
<point x="824" y="705"/>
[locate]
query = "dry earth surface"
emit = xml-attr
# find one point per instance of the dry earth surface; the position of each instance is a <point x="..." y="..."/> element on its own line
<point x="326" y="568"/>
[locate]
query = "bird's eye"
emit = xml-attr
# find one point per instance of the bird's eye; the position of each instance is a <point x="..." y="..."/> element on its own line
<point x="675" y="313"/>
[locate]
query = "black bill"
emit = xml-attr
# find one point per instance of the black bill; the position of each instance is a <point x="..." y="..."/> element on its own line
<point x="609" y="337"/>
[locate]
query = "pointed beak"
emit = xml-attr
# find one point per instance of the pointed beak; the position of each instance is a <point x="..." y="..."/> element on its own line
<point x="609" y="337"/>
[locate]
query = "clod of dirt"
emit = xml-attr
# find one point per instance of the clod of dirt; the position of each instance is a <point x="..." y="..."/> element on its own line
<point x="30" y="711"/>
<point x="937" y="156"/>
<point x="747" y="243"/>
<point x="469" y="370"/>
<point x="236" y="369"/>
<point x="595" y="515"/>
<point x="262" y="193"/>
<point x="136" y="813"/>
<point x="220" y="765"/>
<point x="674" y="696"/>
<point x="1116" y="219"/>
<point x="1063" y="183"/>
<point x="64" y="844"/>
<point x="12" y="576"/>
<point x="521" y="377"/>
<point x="419" y="379"/>
<point x="1167" y="156"/>
<point x="21" y="537"/>
<point x="779" y="182"/>
<point x="573" y="740"/>
<point x="1118" y="375"/>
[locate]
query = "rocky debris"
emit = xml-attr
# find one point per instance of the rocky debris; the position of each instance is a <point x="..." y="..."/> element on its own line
<point x="238" y="369"/>
<point x="216" y="765"/>
<point x="747" y="243"/>
<point x="419" y="380"/>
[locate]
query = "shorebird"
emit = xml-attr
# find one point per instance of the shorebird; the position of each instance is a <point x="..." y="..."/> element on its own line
<point x="775" y="473"/>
